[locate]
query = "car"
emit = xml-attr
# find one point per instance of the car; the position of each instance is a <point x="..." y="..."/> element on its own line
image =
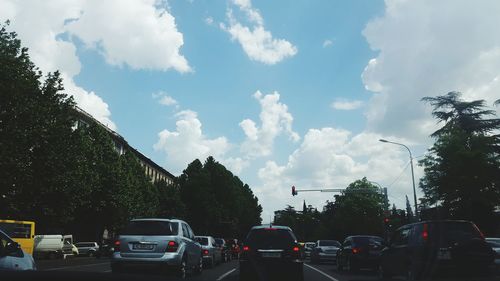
<point x="272" y="251"/>
<point x="324" y="250"/>
<point x="12" y="256"/>
<point x="359" y="251"/>
<point x="212" y="253"/>
<point x="431" y="248"/>
<point x="87" y="248"/>
<point x="495" y="245"/>
<point x="167" y="244"/>
<point x="308" y="247"/>
<point x="106" y="249"/>
<point x="225" y="249"/>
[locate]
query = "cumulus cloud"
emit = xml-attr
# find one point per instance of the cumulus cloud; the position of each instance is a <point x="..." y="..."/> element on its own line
<point x="333" y="158"/>
<point x="140" y="34"/>
<point x="327" y="43"/>
<point x="188" y="142"/>
<point x="344" y="104"/>
<point x="257" y="42"/>
<point x="428" y="48"/>
<point x="48" y="51"/>
<point x="275" y="120"/>
<point x="164" y="99"/>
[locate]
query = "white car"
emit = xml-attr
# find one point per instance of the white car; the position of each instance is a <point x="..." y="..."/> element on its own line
<point x="12" y="257"/>
<point x="495" y="245"/>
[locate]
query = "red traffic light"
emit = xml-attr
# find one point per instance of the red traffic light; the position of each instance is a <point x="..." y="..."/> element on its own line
<point x="294" y="192"/>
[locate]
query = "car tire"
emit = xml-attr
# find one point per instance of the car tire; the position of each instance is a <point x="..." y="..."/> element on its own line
<point x="181" y="269"/>
<point x="199" y="267"/>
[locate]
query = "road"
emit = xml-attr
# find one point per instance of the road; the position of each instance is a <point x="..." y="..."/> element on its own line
<point x="81" y="268"/>
<point x="222" y="272"/>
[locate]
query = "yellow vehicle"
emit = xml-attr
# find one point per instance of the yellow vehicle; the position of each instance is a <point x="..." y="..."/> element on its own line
<point x="23" y="232"/>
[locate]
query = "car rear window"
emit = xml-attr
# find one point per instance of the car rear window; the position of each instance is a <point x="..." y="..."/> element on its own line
<point x="16" y="230"/>
<point x="219" y="241"/>
<point x="202" y="240"/>
<point x="332" y="243"/>
<point x="151" y="228"/>
<point x="367" y="240"/>
<point x="270" y="238"/>
<point x="453" y="232"/>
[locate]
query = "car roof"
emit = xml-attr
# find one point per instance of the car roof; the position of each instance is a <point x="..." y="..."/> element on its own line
<point x="362" y="236"/>
<point x="271" y="226"/>
<point x="158" y="219"/>
<point x="436" y="221"/>
<point x="202" y="236"/>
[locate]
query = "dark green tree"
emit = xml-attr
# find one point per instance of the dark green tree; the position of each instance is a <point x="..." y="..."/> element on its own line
<point x="462" y="170"/>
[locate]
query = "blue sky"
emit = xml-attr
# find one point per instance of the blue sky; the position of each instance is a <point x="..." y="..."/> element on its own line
<point x="281" y="92"/>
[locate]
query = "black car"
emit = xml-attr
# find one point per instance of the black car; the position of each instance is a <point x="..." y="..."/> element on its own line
<point x="432" y="248"/>
<point x="271" y="253"/>
<point x="359" y="251"/>
<point x="225" y="249"/>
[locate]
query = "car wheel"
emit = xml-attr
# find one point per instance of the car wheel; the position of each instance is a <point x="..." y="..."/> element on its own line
<point x="199" y="267"/>
<point x="181" y="270"/>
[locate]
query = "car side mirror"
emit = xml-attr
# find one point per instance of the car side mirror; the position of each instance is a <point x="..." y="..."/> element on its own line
<point x="11" y="248"/>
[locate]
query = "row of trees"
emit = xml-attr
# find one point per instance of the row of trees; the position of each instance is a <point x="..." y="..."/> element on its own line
<point x="72" y="180"/>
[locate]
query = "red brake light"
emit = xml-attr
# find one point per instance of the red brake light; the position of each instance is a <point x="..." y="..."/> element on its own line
<point x="172" y="246"/>
<point x="246" y="248"/>
<point x="425" y="232"/>
<point x="356" y="250"/>
<point x="205" y="252"/>
<point x="296" y="249"/>
<point x="117" y="246"/>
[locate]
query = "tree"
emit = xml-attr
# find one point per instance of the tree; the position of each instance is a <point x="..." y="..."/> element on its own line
<point x="462" y="170"/>
<point x="409" y="211"/>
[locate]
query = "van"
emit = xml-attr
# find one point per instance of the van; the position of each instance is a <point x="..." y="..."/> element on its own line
<point x="53" y="246"/>
<point x="430" y="248"/>
<point x="22" y="232"/>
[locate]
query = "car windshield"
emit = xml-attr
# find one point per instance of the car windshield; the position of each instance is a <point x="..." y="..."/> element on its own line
<point x="450" y="233"/>
<point x="152" y="228"/>
<point x="202" y="240"/>
<point x="270" y="238"/>
<point x="331" y="243"/>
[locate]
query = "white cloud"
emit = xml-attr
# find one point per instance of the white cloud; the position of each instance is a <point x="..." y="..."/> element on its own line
<point x="51" y="53"/>
<point x="275" y="120"/>
<point x="188" y="142"/>
<point x="209" y="20"/>
<point x="164" y="99"/>
<point x="428" y="48"/>
<point x="327" y="43"/>
<point x="333" y="158"/>
<point x="343" y="104"/>
<point x="257" y="42"/>
<point x="140" y="34"/>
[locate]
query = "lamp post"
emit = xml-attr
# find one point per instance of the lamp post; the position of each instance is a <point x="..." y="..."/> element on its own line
<point x="384" y="191"/>
<point x="412" y="174"/>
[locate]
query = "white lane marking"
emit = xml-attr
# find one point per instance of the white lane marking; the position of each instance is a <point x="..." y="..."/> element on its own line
<point x="75" y="266"/>
<point x="226" y="274"/>
<point x="326" y="275"/>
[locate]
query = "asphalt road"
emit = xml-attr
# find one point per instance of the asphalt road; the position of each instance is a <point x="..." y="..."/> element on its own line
<point x="82" y="268"/>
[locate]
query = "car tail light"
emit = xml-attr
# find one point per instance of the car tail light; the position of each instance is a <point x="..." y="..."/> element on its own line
<point x="356" y="250"/>
<point x="172" y="246"/>
<point x="425" y="232"/>
<point x="296" y="249"/>
<point x="246" y="248"/>
<point x="117" y="246"/>
<point x="205" y="252"/>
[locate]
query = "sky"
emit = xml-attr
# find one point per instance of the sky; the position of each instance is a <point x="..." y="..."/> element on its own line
<point x="281" y="92"/>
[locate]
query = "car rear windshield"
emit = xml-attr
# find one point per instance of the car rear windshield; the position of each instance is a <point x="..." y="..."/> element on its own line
<point x="270" y="238"/>
<point x="16" y="230"/>
<point x="453" y="232"/>
<point x="202" y="240"/>
<point x="151" y="228"/>
<point x="367" y="240"/>
<point x="219" y="241"/>
<point x="332" y="243"/>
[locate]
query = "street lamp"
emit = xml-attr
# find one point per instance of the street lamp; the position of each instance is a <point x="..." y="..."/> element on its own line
<point x="412" y="174"/>
<point x="383" y="190"/>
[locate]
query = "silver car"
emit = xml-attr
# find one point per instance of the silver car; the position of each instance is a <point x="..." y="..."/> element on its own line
<point x="161" y="243"/>
<point x="308" y="247"/>
<point x="324" y="251"/>
<point x="12" y="257"/>
<point x="87" y="248"/>
<point x="212" y="254"/>
<point x="495" y="245"/>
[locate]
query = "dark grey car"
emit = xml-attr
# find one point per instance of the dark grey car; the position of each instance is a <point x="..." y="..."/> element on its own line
<point x="162" y="243"/>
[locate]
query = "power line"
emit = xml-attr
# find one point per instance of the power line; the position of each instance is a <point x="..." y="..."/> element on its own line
<point x="400" y="174"/>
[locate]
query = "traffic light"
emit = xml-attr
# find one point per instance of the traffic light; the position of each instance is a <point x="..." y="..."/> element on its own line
<point x="294" y="192"/>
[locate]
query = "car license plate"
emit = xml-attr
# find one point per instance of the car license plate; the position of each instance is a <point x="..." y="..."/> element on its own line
<point x="444" y="254"/>
<point x="142" y="247"/>
<point x="271" y="255"/>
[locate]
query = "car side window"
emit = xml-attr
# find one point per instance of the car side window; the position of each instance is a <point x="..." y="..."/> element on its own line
<point x="401" y="237"/>
<point x="190" y="231"/>
<point x="185" y="231"/>
<point x="347" y="243"/>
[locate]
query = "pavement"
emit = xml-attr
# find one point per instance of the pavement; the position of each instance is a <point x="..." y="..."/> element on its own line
<point x="84" y="268"/>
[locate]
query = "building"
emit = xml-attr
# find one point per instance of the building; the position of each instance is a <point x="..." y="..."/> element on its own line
<point x="153" y="170"/>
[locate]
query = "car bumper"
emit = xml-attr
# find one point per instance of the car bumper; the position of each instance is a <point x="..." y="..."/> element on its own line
<point x="168" y="259"/>
<point x="324" y="257"/>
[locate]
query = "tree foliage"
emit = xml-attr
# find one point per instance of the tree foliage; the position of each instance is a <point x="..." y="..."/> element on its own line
<point x="462" y="169"/>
